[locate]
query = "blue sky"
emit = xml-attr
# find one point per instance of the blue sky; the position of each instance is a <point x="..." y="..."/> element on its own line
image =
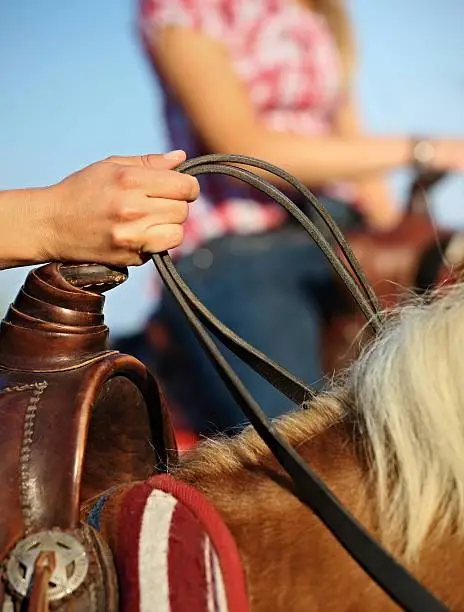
<point x="75" y="88"/>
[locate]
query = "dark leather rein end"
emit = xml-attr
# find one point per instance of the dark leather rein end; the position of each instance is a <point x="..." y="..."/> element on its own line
<point x="393" y="578"/>
<point x="94" y="277"/>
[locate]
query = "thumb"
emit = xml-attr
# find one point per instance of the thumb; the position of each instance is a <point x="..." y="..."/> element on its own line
<point x="152" y="161"/>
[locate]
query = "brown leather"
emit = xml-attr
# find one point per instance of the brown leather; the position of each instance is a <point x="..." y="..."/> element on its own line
<point x="391" y="261"/>
<point x="75" y="417"/>
<point x="394" y="263"/>
<point x="44" y="568"/>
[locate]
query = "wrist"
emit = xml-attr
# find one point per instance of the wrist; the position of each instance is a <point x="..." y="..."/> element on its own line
<point x="25" y="228"/>
<point x="423" y="154"/>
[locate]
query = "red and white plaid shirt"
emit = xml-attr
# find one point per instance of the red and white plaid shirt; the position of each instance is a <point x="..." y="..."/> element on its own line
<point x="287" y="59"/>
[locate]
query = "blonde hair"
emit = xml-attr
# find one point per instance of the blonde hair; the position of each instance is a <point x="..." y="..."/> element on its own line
<point x="336" y="15"/>
<point x="408" y="389"/>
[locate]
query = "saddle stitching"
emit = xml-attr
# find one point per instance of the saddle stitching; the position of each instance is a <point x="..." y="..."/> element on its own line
<point x="38" y="389"/>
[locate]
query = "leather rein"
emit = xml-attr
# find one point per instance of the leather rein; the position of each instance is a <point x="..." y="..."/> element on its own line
<point x="392" y="577"/>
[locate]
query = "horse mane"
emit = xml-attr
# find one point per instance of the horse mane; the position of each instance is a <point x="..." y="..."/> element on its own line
<point x="409" y="393"/>
<point x="406" y="392"/>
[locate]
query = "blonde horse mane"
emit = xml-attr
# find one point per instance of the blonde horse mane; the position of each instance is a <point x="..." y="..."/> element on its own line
<point x="407" y="392"/>
<point x="408" y="389"/>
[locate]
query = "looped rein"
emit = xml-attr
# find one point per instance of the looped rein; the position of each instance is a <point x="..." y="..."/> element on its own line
<point x="393" y="578"/>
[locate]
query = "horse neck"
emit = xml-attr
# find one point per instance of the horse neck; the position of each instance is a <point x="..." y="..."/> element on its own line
<point x="291" y="560"/>
<point x="337" y="456"/>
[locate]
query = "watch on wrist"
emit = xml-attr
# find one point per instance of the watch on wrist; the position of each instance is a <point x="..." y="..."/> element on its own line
<point x="423" y="153"/>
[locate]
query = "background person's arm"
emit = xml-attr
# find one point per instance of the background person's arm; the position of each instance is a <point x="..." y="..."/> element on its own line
<point x="199" y="71"/>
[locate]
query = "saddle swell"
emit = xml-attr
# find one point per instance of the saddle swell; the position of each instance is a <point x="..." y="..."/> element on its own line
<point x="76" y="418"/>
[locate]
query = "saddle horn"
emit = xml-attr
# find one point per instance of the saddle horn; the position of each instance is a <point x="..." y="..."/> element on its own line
<point x="76" y="419"/>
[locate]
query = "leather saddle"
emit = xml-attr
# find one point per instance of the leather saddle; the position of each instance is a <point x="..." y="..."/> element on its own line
<point x="414" y="256"/>
<point x="76" y="419"/>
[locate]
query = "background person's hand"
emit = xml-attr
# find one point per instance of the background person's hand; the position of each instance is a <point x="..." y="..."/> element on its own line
<point x="449" y="155"/>
<point x="117" y="210"/>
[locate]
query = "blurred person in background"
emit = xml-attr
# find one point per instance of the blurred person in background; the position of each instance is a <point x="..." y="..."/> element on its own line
<point x="271" y="79"/>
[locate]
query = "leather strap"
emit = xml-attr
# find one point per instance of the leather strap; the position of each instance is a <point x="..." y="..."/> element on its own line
<point x="394" y="579"/>
<point x="44" y="568"/>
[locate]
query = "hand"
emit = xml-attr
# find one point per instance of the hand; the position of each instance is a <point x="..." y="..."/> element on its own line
<point x="118" y="210"/>
<point x="449" y="155"/>
<point x="383" y="221"/>
<point x="380" y="212"/>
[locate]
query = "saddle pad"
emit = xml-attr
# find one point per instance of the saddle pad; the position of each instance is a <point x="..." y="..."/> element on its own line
<point x="171" y="548"/>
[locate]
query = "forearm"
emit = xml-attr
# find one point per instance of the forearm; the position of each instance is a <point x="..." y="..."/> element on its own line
<point x="21" y="227"/>
<point x="360" y="159"/>
<point x="318" y="160"/>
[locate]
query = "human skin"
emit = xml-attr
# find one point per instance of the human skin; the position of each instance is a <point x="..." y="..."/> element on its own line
<point x="114" y="211"/>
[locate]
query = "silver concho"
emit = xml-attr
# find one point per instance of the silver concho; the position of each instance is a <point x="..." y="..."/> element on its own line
<point x="71" y="561"/>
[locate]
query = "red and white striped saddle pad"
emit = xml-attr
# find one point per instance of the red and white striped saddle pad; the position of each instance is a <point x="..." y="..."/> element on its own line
<point x="172" y="550"/>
